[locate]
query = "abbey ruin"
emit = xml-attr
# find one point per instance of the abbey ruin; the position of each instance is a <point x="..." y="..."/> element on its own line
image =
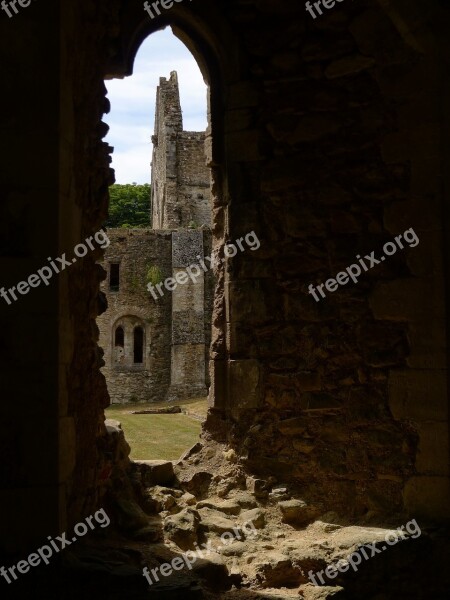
<point x="328" y="421"/>
<point x="157" y="346"/>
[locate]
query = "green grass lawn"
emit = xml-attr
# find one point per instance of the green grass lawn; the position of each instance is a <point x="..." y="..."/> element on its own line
<point x="158" y="437"/>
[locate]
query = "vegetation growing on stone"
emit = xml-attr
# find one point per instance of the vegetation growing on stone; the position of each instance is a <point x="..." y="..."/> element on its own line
<point x="154" y="275"/>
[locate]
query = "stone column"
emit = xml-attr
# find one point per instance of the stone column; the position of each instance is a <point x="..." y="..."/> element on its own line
<point x="188" y="318"/>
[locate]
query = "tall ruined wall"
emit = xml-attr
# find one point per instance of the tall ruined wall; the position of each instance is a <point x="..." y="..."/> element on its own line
<point x="188" y="317"/>
<point x="137" y="251"/>
<point x="168" y="124"/>
<point x="340" y="153"/>
<point x="193" y="176"/>
<point x="55" y="179"/>
<point x="330" y="137"/>
<point x="181" y="194"/>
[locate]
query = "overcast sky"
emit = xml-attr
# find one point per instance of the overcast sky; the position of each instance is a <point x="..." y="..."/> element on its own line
<point x="131" y="119"/>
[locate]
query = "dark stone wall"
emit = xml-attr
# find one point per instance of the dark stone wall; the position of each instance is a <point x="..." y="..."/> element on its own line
<point x="329" y="137"/>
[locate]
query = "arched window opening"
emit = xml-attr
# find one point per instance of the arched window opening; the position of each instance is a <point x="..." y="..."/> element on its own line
<point x="138" y="348"/>
<point x="149" y="370"/>
<point x="119" y="338"/>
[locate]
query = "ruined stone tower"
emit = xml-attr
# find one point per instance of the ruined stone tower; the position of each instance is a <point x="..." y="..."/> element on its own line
<point x="180" y="177"/>
<point x="156" y="345"/>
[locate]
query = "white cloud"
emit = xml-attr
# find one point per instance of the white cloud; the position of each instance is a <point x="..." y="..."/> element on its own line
<point x="131" y="119"/>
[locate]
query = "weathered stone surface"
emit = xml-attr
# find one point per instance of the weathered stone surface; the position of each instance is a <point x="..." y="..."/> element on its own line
<point x="348" y="66"/>
<point x="292" y="426"/>
<point x="197" y="483"/>
<point x="130" y="516"/>
<point x="228" y="507"/>
<point x="235" y="549"/>
<point x="256" y="516"/>
<point x="418" y="395"/>
<point x="150" y="533"/>
<point x="274" y="569"/>
<point x="182" y="528"/>
<point x="259" y="487"/>
<point x="297" y="512"/>
<point x="155" y="472"/>
<point x="188" y="499"/>
<point x="360" y="169"/>
<point x="213" y="572"/>
<point x="215" y="521"/>
<point x="118" y="444"/>
<point x="245" y="500"/>
<point x="314" y="592"/>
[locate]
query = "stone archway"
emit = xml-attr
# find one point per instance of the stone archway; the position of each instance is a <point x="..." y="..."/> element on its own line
<point x="327" y="142"/>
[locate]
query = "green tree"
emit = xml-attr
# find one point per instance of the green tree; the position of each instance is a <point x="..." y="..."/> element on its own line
<point x="129" y="205"/>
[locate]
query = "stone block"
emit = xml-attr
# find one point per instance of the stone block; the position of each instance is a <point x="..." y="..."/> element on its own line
<point x="295" y="426"/>
<point x="213" y="571"/>
<point x="314" y="127"/>
<point x="428" y="498"/>
<point x="243" y="146"/>
<point x="188" y="367"/>
<point x="182" y="528"/>
<point x="418" y="395"/>
<point x="156" y="472"/>
<point x="215" y="521"/>
<point x="433" y="451"/>
<point x="247" y="302"/>
<point x="242" y="94"/>
<point x="245" y="383"/>
<point x="218" y="374"/>
<point x="256" y="517"/>
<point x="188" y="327"/>
<point x="190" y="295"/>
<point x="428" y="344"/>
<point x="186" y="246"/>
<point x="350" y="65"/>
<point x="297" y="512"/>
<point x="407" y="299"/>
<point x="229" y="507"/>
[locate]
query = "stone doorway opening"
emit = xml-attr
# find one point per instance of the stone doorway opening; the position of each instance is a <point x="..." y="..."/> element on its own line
<point x="156" y="331"/>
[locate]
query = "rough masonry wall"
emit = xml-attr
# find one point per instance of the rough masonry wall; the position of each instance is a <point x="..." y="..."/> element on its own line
<point x="137" y="251"/>
<point x="168" y="124"/>
<point x="333" y="144"/>
<point x="85" y="175"/>
<point x="330" y="136"/>
<point x="193" y="176"/>
<point x="188" y="317"/>
<point x="181" y="180"/>
<point x="29" y="341"/>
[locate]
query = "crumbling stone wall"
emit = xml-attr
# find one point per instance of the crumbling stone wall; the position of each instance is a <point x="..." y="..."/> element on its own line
<point x="188" y="364"/>
<point x="322" y="155"/>
<point x="194" y="187"/>
<point x="181" y="195"/>
<point x="174" y="362"/>
<point x="137" y="251"/>
<point x="177" y="324"/>
<point x="329" y="136"/>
